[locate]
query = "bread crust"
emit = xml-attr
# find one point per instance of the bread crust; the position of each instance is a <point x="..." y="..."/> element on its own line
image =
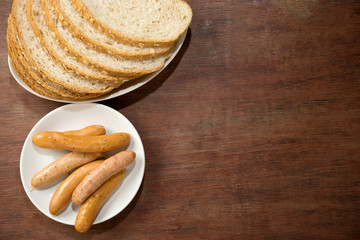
<point x="33" y="79"/>
<point x="100" y="89"/>
<point x="119" y="71"/>
<point x="52" y="57"/>
<point x="139" y="52"/>
<point x="26" y="78"/>
<point x="102" y="76"/>
<point x="21" y="70"/>
<point x="136" y="41"/>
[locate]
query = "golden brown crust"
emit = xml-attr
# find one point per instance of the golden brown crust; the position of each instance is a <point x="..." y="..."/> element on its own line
<point x="26" y="78"/>
<point x="99" y="46"/>
<point x="120" y="72"/>
<point x="34" y="80"/>
<point x="43" y="71"/>
<point x="21" y="70"/>
<point x="87" y="14"/>
<point x="45" y="68"/>
<point x="101" y="76"/>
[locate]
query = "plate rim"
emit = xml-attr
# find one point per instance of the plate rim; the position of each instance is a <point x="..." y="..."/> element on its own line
<point x="28" y="138"/>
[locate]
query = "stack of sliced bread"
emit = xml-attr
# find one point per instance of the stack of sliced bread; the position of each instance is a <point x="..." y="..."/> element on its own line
<point x="82" y="49"/>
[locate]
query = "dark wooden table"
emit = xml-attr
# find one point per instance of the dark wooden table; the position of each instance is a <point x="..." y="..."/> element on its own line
<point x="252" y="132"/>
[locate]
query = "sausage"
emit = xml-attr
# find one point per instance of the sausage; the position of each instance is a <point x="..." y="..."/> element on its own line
<point x="89" y="210"/>
<point x="99" y="175"/>
<point x="63" y="193"/>
<point x="103" y="143"/>
<point x="92" y="130"/>
<point x="63" y="165"/>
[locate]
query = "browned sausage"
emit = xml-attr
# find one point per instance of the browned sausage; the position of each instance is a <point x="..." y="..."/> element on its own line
<point x="63" y="193"/>
<point x="103" y="143"/>
<point x="99" y="175"/>
<point x="92" y="130"/>
<point x="89" y="210"/>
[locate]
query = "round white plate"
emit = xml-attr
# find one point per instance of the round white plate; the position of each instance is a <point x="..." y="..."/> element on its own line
<point x="77" y="116"/>
<point x="127" y="87"/>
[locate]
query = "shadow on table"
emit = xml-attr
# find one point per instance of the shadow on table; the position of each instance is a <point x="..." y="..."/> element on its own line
<point x="150" y="87"/>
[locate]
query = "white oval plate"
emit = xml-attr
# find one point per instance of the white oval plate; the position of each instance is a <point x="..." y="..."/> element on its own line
<point x="77" y="116"/>
<point x="127" y="87"/>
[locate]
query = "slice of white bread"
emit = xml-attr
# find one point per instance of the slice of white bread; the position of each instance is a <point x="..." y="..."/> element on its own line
<point x="150" y="22"/>
<point x="55" y="59"/>
<point x="31" y="77"/>
<point x="28" y="80"/>
<point x="43" y="63"/>
<point x="93" y="38"/>
<point x="45" y="37"/>
<point x="116" y="66"/>
<point x="22" y="72"/>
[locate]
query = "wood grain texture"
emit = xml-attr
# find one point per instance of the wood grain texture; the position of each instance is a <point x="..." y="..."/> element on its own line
<point x="252" y="132"/>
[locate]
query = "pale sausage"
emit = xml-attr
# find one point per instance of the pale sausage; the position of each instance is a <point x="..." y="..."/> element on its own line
<point x="63" y="165"/>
